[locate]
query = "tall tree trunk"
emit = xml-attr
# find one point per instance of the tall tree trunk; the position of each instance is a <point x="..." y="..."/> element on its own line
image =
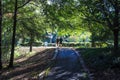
<point x="116" y="34"/>
<point x="116" y="27"/>
<point x="0" y="34"/>
<point x="13" y="37"/>
<point x="31" y="42"/>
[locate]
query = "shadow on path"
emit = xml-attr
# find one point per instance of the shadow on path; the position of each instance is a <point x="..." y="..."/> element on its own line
<point x="30" y="68"/>
<point x="66" y="67"/>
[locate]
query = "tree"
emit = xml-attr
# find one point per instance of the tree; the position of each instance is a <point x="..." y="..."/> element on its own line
<point x="13" y="37"/>
<point x="98" y="32"/>
<point x="14" y="30"/>
<point x="105" y="12"/>
<point x="0" y="34"/>
<point x="31" y="23"/>
<point x="59" y="14"/>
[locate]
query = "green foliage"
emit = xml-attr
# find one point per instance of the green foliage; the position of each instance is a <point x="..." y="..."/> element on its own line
<point x="30" y="21"/>
<point x="105" y="12"/>
<point x="61" y="15"/>
<point x="83" y="18"/>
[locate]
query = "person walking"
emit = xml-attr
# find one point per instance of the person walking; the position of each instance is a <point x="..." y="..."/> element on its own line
<point x="60" y="41"/>
<point x="57" y="42"/>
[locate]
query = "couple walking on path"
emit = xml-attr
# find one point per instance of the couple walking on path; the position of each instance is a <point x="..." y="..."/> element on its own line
<point x="59" y="42"/>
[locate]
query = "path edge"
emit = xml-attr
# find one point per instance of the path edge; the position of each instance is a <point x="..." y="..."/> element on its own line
<point x="90" y="76"/>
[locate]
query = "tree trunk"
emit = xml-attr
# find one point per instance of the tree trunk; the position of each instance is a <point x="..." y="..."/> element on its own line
<point x="93" y="41"/>
<point x="31" y="42"/>
<point x="116" y="27"/>
<point x="0" y="34"/>
<point x="13" y="37"/>
<point x="116" y="34"/>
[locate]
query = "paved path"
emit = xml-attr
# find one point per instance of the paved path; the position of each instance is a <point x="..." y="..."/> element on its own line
<point x="66" y="67"/>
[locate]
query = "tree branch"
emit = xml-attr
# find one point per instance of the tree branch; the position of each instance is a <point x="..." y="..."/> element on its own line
<point x="23" y="4"/>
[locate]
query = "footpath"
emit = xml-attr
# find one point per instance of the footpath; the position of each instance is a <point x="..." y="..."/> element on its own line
<point x="68" y="65"/>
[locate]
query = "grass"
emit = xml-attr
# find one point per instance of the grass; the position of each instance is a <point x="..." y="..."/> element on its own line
<point x="30" y="66"/>
<point x="20" y="53"/>
<point x="101" y="62"/>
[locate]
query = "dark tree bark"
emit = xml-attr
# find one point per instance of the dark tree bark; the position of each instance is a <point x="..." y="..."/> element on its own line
<point x="31" y="42"/>
<point x="14" y="31"/>
<point x="13" y="36"/>
<point x="0" y="34"/>
<point x="116" y="25"/>
<point x="116" y="34"/>
<point x="93" y="41"/>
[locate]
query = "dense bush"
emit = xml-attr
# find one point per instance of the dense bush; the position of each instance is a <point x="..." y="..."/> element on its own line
<point x="85" y="44"/>
<point x="100" y="58"/>
<point x="34" y="44"/>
